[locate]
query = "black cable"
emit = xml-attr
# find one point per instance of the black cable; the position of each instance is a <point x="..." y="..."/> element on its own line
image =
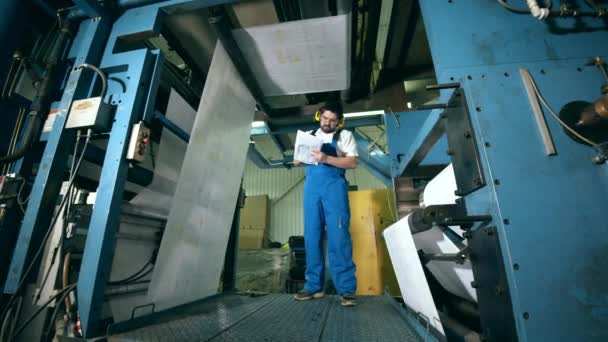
<point x="48" y="233"/>
<point x="137" y="275"/>
<point x="50" y="328"/>
<point x="65" y="212"/>
<point x="143" y="275"/>
<point x="61" y="292"/>
<point x="131" y="277"/>
<point x="28" y="137"/>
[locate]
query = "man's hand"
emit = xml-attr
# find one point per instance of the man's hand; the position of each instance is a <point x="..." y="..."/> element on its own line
<point x="319" y="156"/>
<point x="296" y="162"/>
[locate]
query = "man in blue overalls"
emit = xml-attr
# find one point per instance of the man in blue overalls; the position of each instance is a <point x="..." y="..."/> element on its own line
<point x="326" y="209"/>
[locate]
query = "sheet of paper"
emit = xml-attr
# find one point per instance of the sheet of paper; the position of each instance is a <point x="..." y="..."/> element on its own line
<point x="191" y="255"/>
<point x="298" y="57"/>
<point x="305" y="144"/>
<point x="410" y="275"/>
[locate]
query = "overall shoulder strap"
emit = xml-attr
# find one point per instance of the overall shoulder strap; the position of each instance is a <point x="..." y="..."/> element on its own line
<point x="336" y="136"/>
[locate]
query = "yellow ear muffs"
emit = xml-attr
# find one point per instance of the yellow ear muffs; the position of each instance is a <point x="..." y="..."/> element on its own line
<point x="318" y="119"/>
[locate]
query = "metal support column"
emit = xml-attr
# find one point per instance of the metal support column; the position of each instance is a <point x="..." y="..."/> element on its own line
<point x="86" y="48"/>
<point x="99" y="247"/>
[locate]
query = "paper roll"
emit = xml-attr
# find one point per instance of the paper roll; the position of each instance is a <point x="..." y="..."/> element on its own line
<point x="454" y="277"/>
<point x="410" y="275"/>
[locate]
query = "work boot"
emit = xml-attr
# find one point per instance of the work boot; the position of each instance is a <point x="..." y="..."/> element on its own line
<point x="348" y="299"/>
<point x="307" y="295"/>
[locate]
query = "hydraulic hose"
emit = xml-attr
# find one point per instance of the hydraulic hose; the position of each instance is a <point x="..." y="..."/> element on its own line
<point x="41" y="104"/>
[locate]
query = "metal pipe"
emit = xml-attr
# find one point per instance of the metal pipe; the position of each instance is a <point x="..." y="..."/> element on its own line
<point x="467" y="220"/>
<point x="171" y="126"/>
<point x="458" y="329"/>
<point x="41" y="104"/>
<point x="65" y="277"/>
<point x="443" y="86"/>
<point x="136" y="287"/>
<point x="432" y="106"/>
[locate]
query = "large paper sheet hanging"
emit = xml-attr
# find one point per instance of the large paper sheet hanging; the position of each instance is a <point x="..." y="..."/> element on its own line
<point x="191" y="255"/>
<point x="297" y="57"/>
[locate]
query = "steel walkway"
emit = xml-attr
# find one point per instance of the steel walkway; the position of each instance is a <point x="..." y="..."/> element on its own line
<point x="274" y="318"/>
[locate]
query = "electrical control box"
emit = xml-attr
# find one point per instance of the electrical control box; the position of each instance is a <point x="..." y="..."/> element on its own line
<point x="90" y="113"/>
<point x="139" y="144"/>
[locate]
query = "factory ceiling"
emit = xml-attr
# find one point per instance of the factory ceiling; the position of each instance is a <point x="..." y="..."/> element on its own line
<point x="388" y="46"/>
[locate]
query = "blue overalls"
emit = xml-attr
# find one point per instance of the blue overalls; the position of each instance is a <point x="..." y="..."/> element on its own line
<point x="326" y="210"/>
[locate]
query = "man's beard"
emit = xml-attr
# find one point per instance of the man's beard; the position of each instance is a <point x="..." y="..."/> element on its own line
<point x="327" y="129"/>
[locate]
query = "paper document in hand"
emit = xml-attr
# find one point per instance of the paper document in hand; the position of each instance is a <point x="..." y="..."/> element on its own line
<point x="305" y="144"/>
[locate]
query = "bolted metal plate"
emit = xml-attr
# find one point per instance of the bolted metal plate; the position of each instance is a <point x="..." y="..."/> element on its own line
<point x="491" y="285"/>
<point x="462" y="145"/>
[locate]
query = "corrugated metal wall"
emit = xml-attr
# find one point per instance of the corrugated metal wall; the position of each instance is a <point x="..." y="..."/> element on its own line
<point x="285" y="189"/>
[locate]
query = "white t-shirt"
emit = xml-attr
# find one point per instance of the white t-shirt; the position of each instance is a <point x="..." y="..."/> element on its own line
<point x="346" y="146"/>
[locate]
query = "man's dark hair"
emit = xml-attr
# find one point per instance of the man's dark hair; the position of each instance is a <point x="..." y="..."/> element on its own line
<point x="333" y="106"/>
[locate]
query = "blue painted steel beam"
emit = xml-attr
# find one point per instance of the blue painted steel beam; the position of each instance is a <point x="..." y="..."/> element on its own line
<point x="258" y="159"/>
<point x="407" y="135"/>
<point x="149" y="111"/>
<point x="91" y="8"/>
<point x="99" y="247"/>
<point x="349" y="124"/>
<point x="429" y="135"/>
<point x="172" y="127"/>
<point x="90" y="38"/>
<point x="376" y="162"/>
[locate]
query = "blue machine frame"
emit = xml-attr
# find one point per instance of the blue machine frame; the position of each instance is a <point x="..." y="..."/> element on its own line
<point x="132" y="89"/>
<point x="86" y="47"/>
<point x="138" y="72"/>
<point x="551" y="241"/>
<point x="540" y="278"/>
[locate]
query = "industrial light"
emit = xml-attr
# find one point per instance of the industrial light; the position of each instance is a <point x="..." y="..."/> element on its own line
<point x="259" y="128"/>
<point x="258" y="124"/>
<point x="360" y="114"/>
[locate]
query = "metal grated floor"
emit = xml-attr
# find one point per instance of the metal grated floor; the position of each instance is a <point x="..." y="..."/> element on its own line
<point x="280" y="318"/>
